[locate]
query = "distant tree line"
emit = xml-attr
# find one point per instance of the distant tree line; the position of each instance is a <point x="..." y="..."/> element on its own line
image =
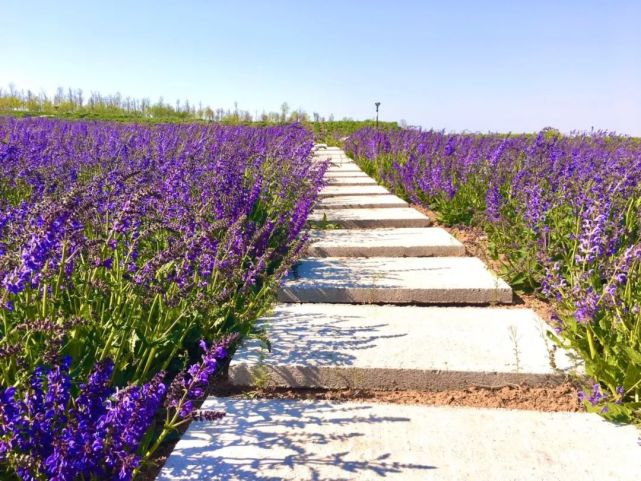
<point x="75" y="103"/>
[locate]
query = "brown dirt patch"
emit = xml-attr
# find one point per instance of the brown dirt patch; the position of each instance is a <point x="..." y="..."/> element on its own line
<point x="553" y="398"/>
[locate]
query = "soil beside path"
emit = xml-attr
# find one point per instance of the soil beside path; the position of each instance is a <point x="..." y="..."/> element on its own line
<point x="553" y="398"/>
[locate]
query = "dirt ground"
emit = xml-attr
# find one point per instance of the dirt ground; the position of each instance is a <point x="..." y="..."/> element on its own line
<point x="551" y="398"/>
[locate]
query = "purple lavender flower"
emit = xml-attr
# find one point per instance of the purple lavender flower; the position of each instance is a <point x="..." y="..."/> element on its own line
<point x="493" y="201"/>
<point x="561" y="213"/>
<point x="98" y="437"/>
<point x="596" y="397"/>
<point x="190" y="385"/>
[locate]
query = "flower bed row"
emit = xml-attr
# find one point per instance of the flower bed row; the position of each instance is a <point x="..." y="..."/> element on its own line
<point x="562" y="214"/>
<point x="125" y="252"/>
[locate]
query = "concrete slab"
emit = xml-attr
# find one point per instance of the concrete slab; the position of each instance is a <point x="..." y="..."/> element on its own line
<point x="273" y="440"/>
<point x="347" y="163"/>
<point x="335" y="162"/>
<point x="341" y="181"/>
<point x="344" y="167"/>
<point x="329" y="151"/>
<point x="371" y="218"/>
<point x="394" y="280"/>
<point x="353" y="190"/>
<point x="361" y="202"/>
<point x="340" y="346"/>
<point x="324" y="153"/>
<point x="332" y="152"/>
<point x="346" y="174"/>
<point x="407" y="242"/>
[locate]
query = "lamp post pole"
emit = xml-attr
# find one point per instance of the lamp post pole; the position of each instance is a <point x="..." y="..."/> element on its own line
<point x="377" y="105"/>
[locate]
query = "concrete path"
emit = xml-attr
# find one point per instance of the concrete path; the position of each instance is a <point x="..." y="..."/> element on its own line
<point x="335" y="157"/>
<point x="350" y="190"/>
<point x="344" y="181"/>
<point x="341" y="346"/>
<point x="361" y="202"/>
<point x="364" y="218"/>
<point x="407" y="280"/>
<point x="273" y="440"/>
<point x="409" y="242"/>
<point x="348" y="167"/>
<point x="339" y="174"/>
<point x="335" y="335"/>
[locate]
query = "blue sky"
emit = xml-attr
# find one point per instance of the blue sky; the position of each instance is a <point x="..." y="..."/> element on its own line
<point x="479" y="66"/>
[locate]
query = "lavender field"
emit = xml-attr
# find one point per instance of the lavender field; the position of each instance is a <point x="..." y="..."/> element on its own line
<point x="563" y="218"/>
<point x="133" y="259"/>
<point x="234" y="249"/>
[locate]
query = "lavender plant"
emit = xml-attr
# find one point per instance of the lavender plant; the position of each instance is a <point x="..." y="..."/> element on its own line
<point x="131" y="243"/>
<point x="121" y="247"/>
<point x="47" y="433"/>
<point x="562" y="214"/>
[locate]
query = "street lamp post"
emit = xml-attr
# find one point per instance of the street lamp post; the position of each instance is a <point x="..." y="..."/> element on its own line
<point x="377" y="105"/>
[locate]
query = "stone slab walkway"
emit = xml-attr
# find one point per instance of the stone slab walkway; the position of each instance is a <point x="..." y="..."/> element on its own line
<point x="364" y="218"/>
<point x="347" y="167"/>
<point x="331" y="174"/>
<point x="393" y="280"/>
<point x="341" y="346"/>
<point x="273" y="440"/>
<point x="407" y="242"/>
<point x="340" y="181"/>
<point x="361" y="202"/>
<point x="353" y="190"/>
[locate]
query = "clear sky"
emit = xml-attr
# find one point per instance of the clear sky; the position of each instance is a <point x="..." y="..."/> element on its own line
<point x="461" y="65"/>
